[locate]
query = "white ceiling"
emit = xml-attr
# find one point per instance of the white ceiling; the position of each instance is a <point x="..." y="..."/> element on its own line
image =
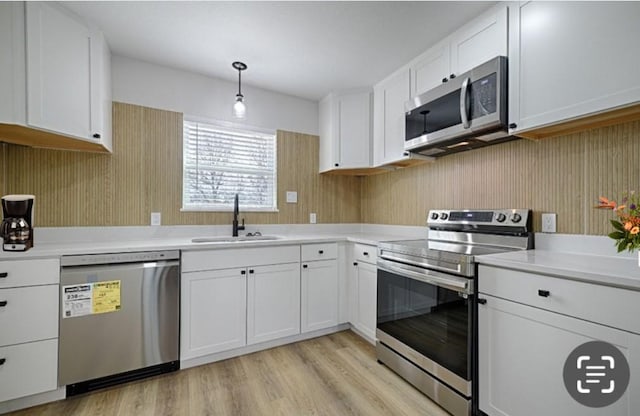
<point x="304" y="49"/>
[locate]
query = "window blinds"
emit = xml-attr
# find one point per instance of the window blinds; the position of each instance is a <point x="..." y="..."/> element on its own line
<point x="219" y="162"/>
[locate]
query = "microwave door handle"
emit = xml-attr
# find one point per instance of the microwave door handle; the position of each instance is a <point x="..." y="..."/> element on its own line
<point x="464" y="112"/>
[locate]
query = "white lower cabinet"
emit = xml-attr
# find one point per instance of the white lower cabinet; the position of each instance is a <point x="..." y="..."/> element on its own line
<point x="364" y="288"/>
<point x="231" y="298"/>
<point x="28" y="368"/>
<point x="29" y="303"/>
<point x="319" y="295"/>
<point x="522" y="352"/>
<point x="273" y="302"/>
<point x="529" y="324"/>
<point x="213" y="311"/>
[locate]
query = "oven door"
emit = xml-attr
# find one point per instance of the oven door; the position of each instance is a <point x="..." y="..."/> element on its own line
<point x="427" y="317"/>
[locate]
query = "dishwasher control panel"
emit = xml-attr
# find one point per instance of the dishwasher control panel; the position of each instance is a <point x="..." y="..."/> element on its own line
<point x="113" y="258"/>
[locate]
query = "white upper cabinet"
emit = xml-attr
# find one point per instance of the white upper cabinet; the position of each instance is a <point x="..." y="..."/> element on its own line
<point x="345" y="130"/>
<point x="389" y="97"/>
<point x="431" y="69"/>
<point x="480" y="40"/>
<point x="12" y="64"/>
<point x="58" y="71"/>
<point x="568" y="60"/>
<point x="65" y="85"/>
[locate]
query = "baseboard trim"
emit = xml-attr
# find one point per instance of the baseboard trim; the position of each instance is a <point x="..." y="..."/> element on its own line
<point x="34" y="400"/>
<point x="211" y="358"/>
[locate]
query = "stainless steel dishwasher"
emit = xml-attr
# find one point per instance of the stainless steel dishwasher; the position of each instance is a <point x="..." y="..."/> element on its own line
<point x="119" y="318"/>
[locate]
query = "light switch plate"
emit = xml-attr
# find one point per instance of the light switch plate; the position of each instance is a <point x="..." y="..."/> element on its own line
<point x="292" y="197"/>
<point x="156" y="218"/>
<point x="548" y="222"/>
<point x="312" y="218"/>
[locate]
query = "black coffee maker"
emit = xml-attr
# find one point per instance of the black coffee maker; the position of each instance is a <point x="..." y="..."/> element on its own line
<point x="17" y="226"/>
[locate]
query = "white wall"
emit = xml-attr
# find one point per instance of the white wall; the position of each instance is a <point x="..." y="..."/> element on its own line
<point x="150" y="85"/>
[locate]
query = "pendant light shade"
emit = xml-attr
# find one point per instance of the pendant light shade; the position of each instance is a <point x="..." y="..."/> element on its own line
<point x="239" y="107"/>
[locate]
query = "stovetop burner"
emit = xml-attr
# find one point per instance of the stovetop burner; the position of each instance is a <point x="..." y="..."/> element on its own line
<point x="456" y="237"/>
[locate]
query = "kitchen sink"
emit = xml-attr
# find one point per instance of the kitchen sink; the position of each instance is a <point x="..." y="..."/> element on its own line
<point x="226" y="239"/>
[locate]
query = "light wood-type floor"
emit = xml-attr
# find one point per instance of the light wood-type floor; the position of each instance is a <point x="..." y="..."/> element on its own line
<point x="332" y="375"/>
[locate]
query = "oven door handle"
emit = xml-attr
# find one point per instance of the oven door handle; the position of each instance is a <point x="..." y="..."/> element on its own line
<point x="458" y="284"/>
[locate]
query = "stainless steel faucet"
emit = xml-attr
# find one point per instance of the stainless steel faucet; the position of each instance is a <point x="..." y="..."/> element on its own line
<point x="236" y="211"/>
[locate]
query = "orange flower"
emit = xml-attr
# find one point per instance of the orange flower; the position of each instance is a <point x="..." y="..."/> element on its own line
<point x="627" y="226"/>
<point x="635" y="230"/>
<point x="619" y="208"/>
<point x="605" y="203"/>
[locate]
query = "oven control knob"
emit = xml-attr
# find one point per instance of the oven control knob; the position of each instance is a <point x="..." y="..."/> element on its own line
<point x="434" y="215"/>
<point x="516" y="218"/>
<point x="501" y="217"/>
<point x="444" y="216"/>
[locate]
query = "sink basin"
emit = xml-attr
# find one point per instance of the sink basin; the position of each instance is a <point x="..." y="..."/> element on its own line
<point x="226" y="239"/>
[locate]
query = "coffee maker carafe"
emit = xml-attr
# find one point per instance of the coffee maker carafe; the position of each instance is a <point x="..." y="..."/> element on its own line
<point x="17" y="226"/>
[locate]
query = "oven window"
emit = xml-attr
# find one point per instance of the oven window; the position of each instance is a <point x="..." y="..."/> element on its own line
<point x="432" y="320"/>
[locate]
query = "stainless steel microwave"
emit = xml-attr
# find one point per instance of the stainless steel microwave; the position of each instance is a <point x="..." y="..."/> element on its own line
<point x="466" y="112"/>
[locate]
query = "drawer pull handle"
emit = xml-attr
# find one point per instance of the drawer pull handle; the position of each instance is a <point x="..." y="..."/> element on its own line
<point x="3" y="303"/>
<point x="544" y="293"/>
<point x="250" y="271"/>
<point x="243" y="272"/>
<point x="482" y="301"/>
<point x="304" y="266"/>
<point x="355" y="263"/>
<point x="365" y="254"/>
<point x="3" y="360"/>
<point x="3" y="275"/>
<point x="320" y="251"/>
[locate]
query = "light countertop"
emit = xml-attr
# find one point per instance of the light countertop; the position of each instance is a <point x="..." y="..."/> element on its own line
<point x="615" y="271"/>
<point x="50" y="249"/>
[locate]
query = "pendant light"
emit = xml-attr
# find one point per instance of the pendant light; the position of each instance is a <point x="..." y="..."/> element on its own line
<point x="239" y="107"/>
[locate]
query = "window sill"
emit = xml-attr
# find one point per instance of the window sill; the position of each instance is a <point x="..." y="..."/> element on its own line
<point x="207" y="209"/>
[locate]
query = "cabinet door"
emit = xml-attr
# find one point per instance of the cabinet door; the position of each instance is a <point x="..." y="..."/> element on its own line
<point x="212" y="312"/>
<point x="367" y="299"/>
<point x="522" y="351"/>
<point x="480" y="40"/>
<point x="389" y="99"/>
<point x="431" y="68"/>
<point x="58" y="70"/>
<point x="28" y="369"/>
<point x="569" y="60"/>
<point x="273" y="297"/>
<point x="354" y="130"/>
<point x="319" y="295"/>
<point x="327" y="156"/>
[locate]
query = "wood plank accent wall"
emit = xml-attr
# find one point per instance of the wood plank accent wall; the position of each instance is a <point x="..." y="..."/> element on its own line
<point x="564" y="175"/>
<point x="144" y="175"/>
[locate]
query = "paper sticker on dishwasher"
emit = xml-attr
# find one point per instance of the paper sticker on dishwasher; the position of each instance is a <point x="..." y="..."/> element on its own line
<point x="106" y="296"/>
<point x="90" y="298"/>
<point x="77" y="300"/>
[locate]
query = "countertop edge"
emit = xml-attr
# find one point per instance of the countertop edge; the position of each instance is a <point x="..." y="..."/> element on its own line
<point x="613" y="278"/>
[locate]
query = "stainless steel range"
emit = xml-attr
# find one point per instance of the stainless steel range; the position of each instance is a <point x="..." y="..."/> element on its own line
<point x="426" y="308"/>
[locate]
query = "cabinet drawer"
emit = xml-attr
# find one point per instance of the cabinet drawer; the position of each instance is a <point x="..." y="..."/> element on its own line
<point x="323" y="251"/>
<point x="193" y="261"/>
<point x="28" y="369"/>
<point x="29" y="272"/>
<point x="365" y="253"/>
<point x="30" y="314"/>
<point x="606" y="305"/>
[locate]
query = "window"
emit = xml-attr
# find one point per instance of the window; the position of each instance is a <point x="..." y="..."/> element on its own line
<point x="220" y="161"/>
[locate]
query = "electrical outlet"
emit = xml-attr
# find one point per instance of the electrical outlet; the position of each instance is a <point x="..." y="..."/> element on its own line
<point x="156" y="218"/>
<point x="312" y="218"/>
<point x="292" y="197"/>
<point x="548" y="222"/>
